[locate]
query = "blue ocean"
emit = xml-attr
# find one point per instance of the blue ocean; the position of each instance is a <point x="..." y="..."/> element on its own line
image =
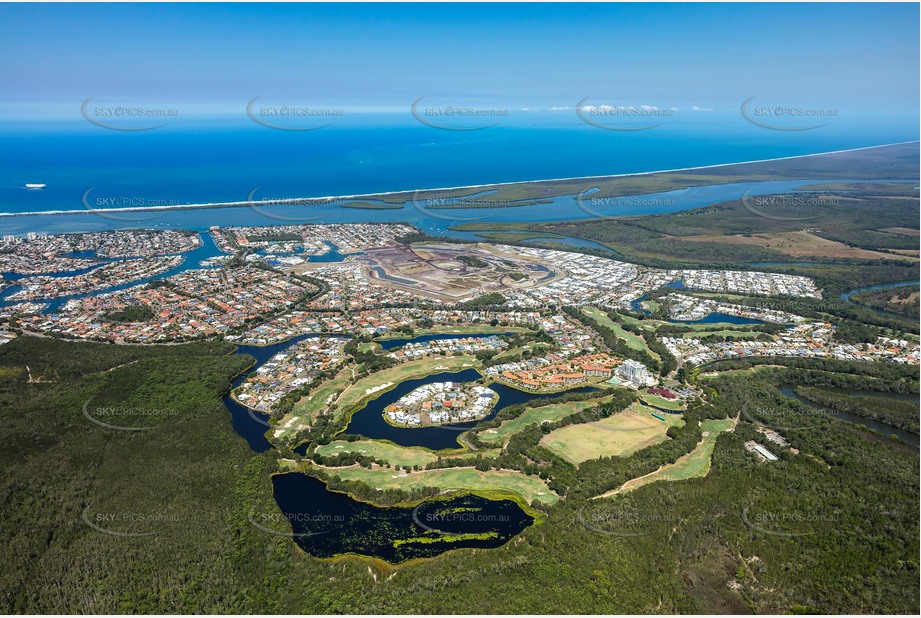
<point x="193" y="162"/>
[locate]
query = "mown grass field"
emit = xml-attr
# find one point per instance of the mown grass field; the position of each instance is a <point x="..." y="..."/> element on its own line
<point x="395" y="454"/>
<point x="644" y="324"/>
<point x="661" y="402"/>
<point x="693" y="465"/>
<point x="751" y="371"/>
<point x="528" y="487"/>
<point x="536" y="415"/>
<point x="310" y="405"/>
<point x="622" y="434"/>
<point x="405" y="371"/>
<point x="634" y="341"/>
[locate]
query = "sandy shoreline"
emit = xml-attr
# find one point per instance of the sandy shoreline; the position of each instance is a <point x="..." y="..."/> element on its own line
<point x="331" y="199"/>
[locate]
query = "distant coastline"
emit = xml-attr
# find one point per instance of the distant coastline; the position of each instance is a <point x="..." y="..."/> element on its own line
<point x="335" y="200"/>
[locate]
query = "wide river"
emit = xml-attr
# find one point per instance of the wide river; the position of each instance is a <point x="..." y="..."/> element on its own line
<point x="82" y="218"/>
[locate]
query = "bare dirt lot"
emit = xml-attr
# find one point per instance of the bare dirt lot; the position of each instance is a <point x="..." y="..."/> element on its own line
<point x="453" y="272"/>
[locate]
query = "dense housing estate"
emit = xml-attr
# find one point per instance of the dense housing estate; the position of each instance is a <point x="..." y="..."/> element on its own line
<point x="441" y="403"/>
<point x="260" y="303"/>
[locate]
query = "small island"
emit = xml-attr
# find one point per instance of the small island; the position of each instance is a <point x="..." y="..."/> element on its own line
<point x="441" y="403"/>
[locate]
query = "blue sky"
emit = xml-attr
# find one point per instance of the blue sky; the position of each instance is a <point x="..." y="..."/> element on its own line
<point x="210" y="58"/>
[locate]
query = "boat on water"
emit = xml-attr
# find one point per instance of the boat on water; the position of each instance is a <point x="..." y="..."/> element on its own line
<point x="33" y="185"/>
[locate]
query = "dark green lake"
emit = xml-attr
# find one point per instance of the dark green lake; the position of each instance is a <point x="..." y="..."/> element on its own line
<point x="326" y="524"/>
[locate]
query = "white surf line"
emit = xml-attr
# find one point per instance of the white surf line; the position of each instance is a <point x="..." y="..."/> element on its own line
<point x="334" y="198"/>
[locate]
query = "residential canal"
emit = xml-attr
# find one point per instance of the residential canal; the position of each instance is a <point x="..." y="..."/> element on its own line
<point x="326" y="524"/>
<point x="369" y="421"/>
<point x="389" y="344"/>
<point x="249" y="423"/>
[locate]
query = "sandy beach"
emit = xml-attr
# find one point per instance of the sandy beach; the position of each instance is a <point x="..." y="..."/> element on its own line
<point x="335" y="198"/>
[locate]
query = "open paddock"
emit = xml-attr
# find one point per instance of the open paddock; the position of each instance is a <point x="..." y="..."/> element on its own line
<point x="621" y="434"/>
<point x="695" y="464"/>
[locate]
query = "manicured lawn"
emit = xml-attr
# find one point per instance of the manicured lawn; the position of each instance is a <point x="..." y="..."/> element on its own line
<point x="405" y="371"/>
<point x="738" y="372"/>
<point x="634" y="341"/>
<point x="661" y="402"/>
<point x="528" y="487"/>
<point x="621" y="434"/>
<point x="325" y="392"/>
<point x="693" y="465"/>
<point x="396" y="455"/>
<point x="305" y="411"/>
<point x="536" y="415"/>
<point x="652" y="324"/>
<point x="646" y="324"/>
